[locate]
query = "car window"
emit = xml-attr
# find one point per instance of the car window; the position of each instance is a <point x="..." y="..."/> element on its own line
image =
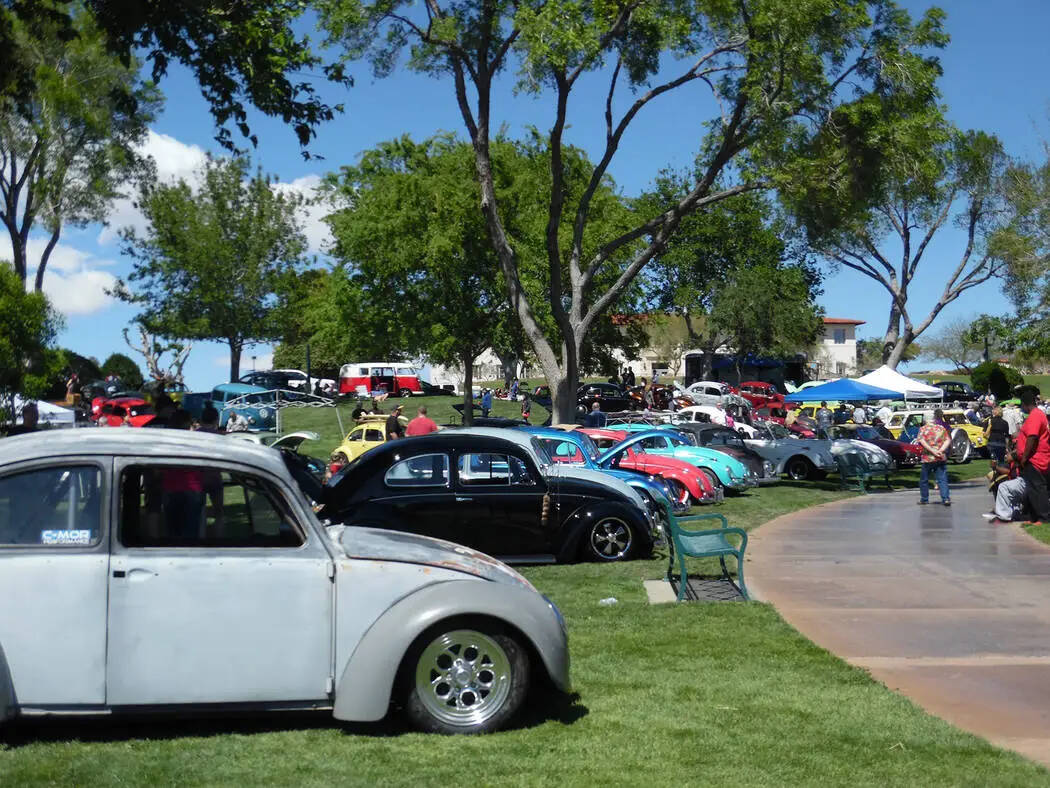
<point x="493" y="470"/>
<point x="356" y="435"/>
<point x="563" y="451"/>
<point x="197" y="506"/>
<point x="406" y="371"/>
<point x="652" y="442"/>
<point x="426" y="470"/>
<point x="362" y="371"/>
<point x="218" y="396"/>
<point x="374" y="435"/>
<point x="51" y="506"/>
<point x="778" y="431"/>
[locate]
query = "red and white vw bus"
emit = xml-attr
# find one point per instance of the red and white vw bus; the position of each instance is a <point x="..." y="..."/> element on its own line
<point x="396" y="379"/>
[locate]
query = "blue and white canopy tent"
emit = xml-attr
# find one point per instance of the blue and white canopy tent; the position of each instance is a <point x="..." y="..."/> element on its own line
<point x="842" y="390"/>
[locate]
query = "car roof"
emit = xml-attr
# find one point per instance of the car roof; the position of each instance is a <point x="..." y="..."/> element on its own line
<point x="163" y="443"/>
<point x="239" y="388"/>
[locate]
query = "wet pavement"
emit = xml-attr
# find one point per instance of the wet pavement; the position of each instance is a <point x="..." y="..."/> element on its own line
<point x="934" y="601"/>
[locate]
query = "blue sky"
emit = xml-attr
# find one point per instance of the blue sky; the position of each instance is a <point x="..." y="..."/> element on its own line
<point x="995" y="79"/>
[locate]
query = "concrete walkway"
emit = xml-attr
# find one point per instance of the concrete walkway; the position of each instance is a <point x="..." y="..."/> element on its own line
<point x="934" y="601"/>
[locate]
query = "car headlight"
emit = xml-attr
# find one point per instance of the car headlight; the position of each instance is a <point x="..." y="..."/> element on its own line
<point x="251" y="419"/>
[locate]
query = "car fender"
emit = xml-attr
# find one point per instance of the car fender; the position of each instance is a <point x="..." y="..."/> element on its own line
<point x="366" y="684"/>
<point x="7" y="689"/>
<point x="577" y="523"/>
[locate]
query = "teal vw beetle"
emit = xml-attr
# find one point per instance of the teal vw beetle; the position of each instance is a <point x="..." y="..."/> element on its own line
<point x="730" y="473"/>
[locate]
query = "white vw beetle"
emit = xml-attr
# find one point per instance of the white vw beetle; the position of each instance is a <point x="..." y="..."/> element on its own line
<point x="144" y="569"/>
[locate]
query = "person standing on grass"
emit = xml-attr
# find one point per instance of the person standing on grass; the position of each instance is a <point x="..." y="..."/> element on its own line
<point x="1033" y="446"/>
<point x="526" y="406"/>
<point x="596" y="419"/>
<point x="824" y="418"/>
<point x="421" y="424"/>
<point x="393" y="424"/>
<point x="935" y="442"/>
<point x="486" y="403"/>
<point x="996" y="432"/>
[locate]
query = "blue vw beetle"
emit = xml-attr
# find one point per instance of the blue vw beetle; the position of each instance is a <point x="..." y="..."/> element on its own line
<point x="578" y="449"/>
<point x="729" y="472"/>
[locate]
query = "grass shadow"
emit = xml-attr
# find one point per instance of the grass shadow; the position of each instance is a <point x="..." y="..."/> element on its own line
<point x="543" y="705"/>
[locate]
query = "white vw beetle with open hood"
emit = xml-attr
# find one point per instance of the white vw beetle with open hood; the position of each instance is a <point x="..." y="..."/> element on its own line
<point x="147" y="570"/>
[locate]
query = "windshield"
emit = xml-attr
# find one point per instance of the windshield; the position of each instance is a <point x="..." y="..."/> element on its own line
<point x="677" y="440"/>
<point x="867" y="433"/>
<point x="541" y="453"/>
<point x="261" y="398"/>
<point x="688" y="437"/>
<point x="778" y="431"/>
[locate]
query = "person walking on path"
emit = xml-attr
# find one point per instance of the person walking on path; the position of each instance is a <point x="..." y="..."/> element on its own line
<point x="393" y="424"/>
<point x="859" y="414"/>
<point x="997" y="432"/>
<point x="1033" y="446"/>
<point x="935" y="442"/>
<point x="486" y="403"/>
<point x="421" y="424"/>
<point x="596" y="419"/>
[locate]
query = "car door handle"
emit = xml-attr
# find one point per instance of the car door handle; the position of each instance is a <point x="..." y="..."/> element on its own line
<point x="460" y="498"/>
<point x="134" y="575"/>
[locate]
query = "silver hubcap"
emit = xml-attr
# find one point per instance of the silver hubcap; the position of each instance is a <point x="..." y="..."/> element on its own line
<point x="611" y="539"/>
<point x="463" y="677"/>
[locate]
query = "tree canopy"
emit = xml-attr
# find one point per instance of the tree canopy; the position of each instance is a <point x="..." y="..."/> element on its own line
<point x="125" y="368"/>
<point x="935" y="177"/>
<point x="28" y="326"/>
<point x="781" y="74"/>
<point x="243" y="54"/>
<point x="214" y="262"/>
<point x="66" y="154"/>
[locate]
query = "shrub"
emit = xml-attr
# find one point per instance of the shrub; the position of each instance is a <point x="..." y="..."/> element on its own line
<point x="995" y="378"/>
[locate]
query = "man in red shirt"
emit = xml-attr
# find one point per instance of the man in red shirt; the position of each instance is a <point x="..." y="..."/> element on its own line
<point x="421" y="425"/>
<point x="1033" y="451"/>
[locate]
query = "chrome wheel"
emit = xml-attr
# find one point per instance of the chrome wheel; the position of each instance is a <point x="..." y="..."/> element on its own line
<point x="463" y="678"/>
<point x="611" y="539"/>
<point x="798" y="469"/>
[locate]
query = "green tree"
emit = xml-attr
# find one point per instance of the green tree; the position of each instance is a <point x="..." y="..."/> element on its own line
<point x="776" y="70"/>
<point x="243" y="54"/>
<point x="1023" y="244"/>
<point x="955" y="341"/>
<point x="706" y="264"/>
<point x="935" y="174"/>
<point x="65" y="155"/>
<point x="213" y="262"/>
<point x="993" y="377"/>
<point x="767" y="310"/>
<point x="125" y="368"/>
<point x="28" y="326"/>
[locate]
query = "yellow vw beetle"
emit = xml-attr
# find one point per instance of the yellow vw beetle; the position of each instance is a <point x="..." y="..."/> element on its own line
<point x="369" y="433"/>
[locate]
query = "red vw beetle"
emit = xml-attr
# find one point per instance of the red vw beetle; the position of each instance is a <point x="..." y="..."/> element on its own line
<point x="687" y="480"/>
<point x="760" y="394"/>
<point x="113" y="412"/>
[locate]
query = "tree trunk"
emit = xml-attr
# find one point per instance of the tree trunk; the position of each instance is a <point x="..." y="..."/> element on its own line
<point x="235" y="360"/>
<point x="468" y="390"/>
<point x="19" y="257"/>
<point x="892" y="336"/>
<point x="897" y="351"/>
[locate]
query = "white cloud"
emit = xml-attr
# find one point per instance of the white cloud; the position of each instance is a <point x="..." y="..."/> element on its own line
<point x="318" y="234"/>
<point x="174" y="160"/>
<point x="79" y="292"/>
<point x="72" y="279"/>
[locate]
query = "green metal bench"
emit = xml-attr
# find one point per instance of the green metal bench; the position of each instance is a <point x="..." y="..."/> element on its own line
<point x="707" y="543"/>
<point x="854" y="466"/>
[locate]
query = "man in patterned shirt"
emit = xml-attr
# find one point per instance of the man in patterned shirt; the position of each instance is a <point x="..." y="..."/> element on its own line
<point x="935" y="442"/>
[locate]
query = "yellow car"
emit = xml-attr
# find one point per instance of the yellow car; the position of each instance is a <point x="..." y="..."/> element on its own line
<point x="369" y="433"/>
<point x="905" y="424"/>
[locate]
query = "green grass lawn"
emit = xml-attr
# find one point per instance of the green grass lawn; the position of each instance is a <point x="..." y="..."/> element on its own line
<point x="669" y="694"/>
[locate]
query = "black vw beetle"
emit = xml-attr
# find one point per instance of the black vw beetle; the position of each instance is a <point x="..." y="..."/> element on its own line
<point x="494" y="490"/>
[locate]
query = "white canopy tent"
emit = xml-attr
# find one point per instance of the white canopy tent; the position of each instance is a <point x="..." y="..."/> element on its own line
<point x="53" y="415"/>
<point x="909" y="388"/>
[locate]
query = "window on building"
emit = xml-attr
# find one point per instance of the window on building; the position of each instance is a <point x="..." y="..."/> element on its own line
<point x="840" y="336"/>
<point x="840" y="370"/>
<point x="477" y="372"/>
